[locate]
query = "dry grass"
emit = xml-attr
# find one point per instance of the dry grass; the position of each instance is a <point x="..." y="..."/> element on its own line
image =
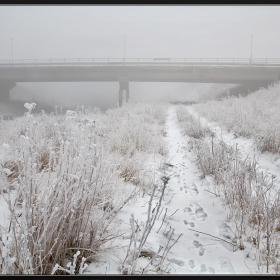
<point x="190" y="125"/>
<point x="249" y="195"/>
<point x="254" y="116"/>
<point x="63" y="179"/>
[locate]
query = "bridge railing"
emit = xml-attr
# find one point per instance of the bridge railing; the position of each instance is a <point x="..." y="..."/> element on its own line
<point x="160" y="61"/>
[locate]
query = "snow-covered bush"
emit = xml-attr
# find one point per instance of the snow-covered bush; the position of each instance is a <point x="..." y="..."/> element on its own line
<point x="255" y="116"/>
<point x="63" y="179"/>
<point x="132" y="135"/>
<point x="72" y="266"/>
<point x="190" y="125"/>
<point x="61" y="204"/>
<point x="252" y="203"/>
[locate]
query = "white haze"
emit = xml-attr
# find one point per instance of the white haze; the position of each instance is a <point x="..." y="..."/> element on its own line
<point x="102" y="31"/>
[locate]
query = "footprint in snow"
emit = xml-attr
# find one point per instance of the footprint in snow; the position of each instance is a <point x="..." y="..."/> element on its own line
<point x="197" y="211"/>
<point x="223" y="229"/>
<point x="177" y="261"/>
<point x="201" y="251"/>
<point x="191" y="190"/>
<point x="226" y="234"/>
<point x="203" y="268"/>
<point x="187" y="209"/>
<point x="191" y="263"/>
<point x="211" y="269"/>
<point x="188" y="223"/>
<point x="199" y="245"/>
<point x="226" y="265"/>
<point x="196" y="244"/>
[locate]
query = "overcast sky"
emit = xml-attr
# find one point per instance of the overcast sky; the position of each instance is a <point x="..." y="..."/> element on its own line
<point x="151" y="31"/>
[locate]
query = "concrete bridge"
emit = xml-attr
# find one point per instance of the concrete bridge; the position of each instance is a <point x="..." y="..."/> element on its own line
<point x="260" y="71"/>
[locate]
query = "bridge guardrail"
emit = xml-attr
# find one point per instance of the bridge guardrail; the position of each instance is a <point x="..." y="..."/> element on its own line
<point x="142" y="62"/>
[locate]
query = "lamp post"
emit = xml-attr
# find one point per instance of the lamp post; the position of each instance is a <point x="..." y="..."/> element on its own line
<point x="251" y="48"/>
<point x="124" y="48"/>
<point x="12" y="49"/>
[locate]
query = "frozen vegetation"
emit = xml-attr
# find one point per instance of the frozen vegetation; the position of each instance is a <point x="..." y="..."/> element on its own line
<point x="255" y="116"/>
<point x="64" y="178"/>
<point x="143" y="189"/>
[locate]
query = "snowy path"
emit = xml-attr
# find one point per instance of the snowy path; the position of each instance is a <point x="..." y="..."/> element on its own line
<point x="199" y="210"/>
<point x="189" y="209"/>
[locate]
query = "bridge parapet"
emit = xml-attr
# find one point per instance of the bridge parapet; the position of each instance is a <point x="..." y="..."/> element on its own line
<point x="211" y="62"/>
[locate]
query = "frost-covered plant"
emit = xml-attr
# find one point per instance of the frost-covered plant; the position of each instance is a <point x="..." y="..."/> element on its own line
<point x="134" y="133"/>
<point x="61" y="177"/>
<point x="136" y="244"/>
<point x="212" y="156"/>
<point x="255" y="116"/>
<point x="190" y="125"/>
<point x="247" y="192"/>
<point x="72" y="266"/>
<point x="63" y="206"/>
<point x="6" y="260"/>
<point x="29" y="107"/>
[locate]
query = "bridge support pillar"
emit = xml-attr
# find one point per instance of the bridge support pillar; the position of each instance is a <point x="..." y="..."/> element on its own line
<point x="5" y="88"/>
<point x="124" y="85"/>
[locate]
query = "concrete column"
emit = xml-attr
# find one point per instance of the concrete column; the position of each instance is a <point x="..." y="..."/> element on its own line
<point x="5" y="88"/>
<point x="120" y="97"/>
<point x="123" y="86"/>
<point x="127" y="95"/>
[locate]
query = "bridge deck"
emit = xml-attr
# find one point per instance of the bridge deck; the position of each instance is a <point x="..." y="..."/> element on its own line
<point x="213" y="62"/>
<point x="203" y="70"/>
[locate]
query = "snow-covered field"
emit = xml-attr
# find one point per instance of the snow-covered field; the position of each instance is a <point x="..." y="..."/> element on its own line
<point x="154" y="213"/>
<point x="199" y="216"/>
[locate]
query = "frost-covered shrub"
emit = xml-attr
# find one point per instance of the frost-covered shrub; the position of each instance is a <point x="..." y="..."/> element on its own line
<point x="255" y="116"/>
<point x="63" y="179"/>
<point x="72" y="266"/>
<point x="6" y="260"/>
<point x="212" y="156"/>
<point x="62" y="205"/>
<point x="249" y="194"/>
<point x="189" y="124"/>
<point x="134" y="133"/>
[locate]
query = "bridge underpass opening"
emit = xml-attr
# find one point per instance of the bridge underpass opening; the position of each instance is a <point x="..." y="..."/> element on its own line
<point x="67" y="94"/>
<point x="104" y="95"/>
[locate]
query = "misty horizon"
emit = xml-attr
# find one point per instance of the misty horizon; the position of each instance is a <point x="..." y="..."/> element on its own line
<point x="143" y="31"/>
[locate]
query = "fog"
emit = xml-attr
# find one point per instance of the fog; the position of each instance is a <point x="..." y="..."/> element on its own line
<point x="105" y="95"/>
<point x="96" y="31"/>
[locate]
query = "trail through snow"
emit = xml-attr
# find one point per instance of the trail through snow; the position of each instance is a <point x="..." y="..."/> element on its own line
<point x="201" y="211"/>
<point x="192" y="211"/>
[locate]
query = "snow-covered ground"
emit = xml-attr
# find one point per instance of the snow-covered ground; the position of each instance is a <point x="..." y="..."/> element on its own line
<point x="267" y="162"/>
<point x="204" y="247"/>
<point x="197" y="217"/>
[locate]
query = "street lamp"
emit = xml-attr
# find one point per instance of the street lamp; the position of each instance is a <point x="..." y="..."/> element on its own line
<point x="251" y="46"/>
<point x="124" y="49"/>
<point x="12" y="49"/>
